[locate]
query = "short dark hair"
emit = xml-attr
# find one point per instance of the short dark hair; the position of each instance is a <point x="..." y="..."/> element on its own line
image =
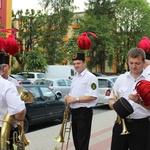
<point x="136" y="52"/>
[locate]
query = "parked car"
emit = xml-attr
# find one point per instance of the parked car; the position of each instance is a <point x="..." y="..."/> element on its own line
<point x="32" y="76"/>
<point x="46" y="106"/>
<point x="60" y="86"/>
<point x="20" y="79"/>
<point x="105" y="84"/>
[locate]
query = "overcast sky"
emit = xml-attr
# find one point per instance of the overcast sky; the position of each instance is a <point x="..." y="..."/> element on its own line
<point x="33" y="4"/>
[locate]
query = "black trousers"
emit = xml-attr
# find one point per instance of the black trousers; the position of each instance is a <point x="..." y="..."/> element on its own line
<point x="138" y="138"/>
<point x="81" y="127"/>
<point x="148" y="146"/>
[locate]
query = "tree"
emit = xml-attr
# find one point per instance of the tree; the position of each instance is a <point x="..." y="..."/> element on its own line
<point x="133" y="22"/>
<point x="59" y="19"/>
<point x="119" y="24"/>
<point x="99" y="18"/>
<point x="29" y="36"/>
<point x="34" y="60"/>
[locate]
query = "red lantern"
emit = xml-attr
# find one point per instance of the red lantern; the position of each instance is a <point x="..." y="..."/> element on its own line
<point x="84" y="41"/>
<point x="144" y="44"/>
<point x="11" y="45"/>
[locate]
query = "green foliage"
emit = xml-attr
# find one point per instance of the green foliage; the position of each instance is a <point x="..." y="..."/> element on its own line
<point x="43" y="31"/>
<point x="60" y="18"/>
<point x="16" y="70"/>
<point x="29" y="35"/>
<point x="119" y="25"/>
<point x="99" y="18"/>
<point x="34" y="61"/>
<point x="132" y="23"/>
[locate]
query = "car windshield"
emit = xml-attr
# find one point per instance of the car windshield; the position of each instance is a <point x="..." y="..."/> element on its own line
<point x="18" y="77"/>
<point x="102" y="83"/>
<point x="40" y="75"/>
<point x="68" y="82"/>
<point x="47" y="93"/>
<point x="44" y="82"/>
<point x="113" y="79"/>
<point x="106" y="82"/>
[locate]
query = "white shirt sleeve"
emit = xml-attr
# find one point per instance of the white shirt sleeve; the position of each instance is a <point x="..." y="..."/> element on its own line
<point x="13" y="100"/>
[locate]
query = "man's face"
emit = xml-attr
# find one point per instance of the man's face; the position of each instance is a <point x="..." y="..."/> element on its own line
<point x="136" y="65"/>
<point x="79" y="65"/>
<point x="4" y="70"/>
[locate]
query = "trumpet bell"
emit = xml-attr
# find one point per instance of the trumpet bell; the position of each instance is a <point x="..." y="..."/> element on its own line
<point x="124" y="132"/>
<point x="124" y="128"/>
<point x="25" y="95"/>
<point x="60" y="139"/>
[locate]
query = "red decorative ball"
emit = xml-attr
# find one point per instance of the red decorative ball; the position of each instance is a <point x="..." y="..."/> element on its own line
<point x="144" y="44"/>
<point x="11" y="45"/>
<point x="84" y="41"/>
<point x="143" y="89"/>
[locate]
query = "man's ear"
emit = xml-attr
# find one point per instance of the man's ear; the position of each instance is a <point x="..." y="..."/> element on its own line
<point x="8" y="66"/>
<point x="4" y="66"/>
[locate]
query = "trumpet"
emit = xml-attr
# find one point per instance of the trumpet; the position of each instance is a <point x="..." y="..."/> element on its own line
<point x="119" y="119"/>
<point x="65" y="128"/>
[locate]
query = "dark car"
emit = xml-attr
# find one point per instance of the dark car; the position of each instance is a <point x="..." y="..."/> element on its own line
<point x="20" y="79"/>
<point x="46" y="106"/>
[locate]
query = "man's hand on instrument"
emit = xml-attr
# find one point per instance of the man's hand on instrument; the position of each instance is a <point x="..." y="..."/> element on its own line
<point x="70" y="99"/>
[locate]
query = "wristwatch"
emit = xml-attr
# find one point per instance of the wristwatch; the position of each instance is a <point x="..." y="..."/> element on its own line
<point x="77" y="100"/>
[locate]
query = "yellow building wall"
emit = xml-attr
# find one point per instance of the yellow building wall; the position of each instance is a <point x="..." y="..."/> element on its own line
<point x="9" y="21"/>
<point x="9" y="14"/>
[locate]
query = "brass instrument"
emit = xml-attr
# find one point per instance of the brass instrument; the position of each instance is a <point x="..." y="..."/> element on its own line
<point x="64" y="128"/>
<point x="119" y="119"/>
<point x="19" y="139"/>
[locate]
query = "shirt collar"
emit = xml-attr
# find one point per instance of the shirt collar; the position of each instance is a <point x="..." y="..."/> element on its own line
<point x="143" y="74"/>
<point x="82" y="73"/>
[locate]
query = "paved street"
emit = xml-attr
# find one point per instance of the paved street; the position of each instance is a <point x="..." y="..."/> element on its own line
<point x="44" y="139"/>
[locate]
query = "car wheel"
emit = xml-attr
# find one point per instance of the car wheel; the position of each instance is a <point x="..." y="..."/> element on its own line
<point x="26" y="125"/>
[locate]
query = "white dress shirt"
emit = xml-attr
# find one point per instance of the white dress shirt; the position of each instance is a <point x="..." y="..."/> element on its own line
<point x="82" y="86"/>
<point x="9" y="99"/>
<point x="125" y="85"/>
<point x="14" y="81"/>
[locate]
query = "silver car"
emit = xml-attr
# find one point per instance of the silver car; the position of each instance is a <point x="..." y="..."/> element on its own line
<point x="32" y="76"/>
<point x="60" y="86"/>
<point x="105" y="84"/>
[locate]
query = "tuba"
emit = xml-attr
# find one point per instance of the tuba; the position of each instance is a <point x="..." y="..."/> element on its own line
<point x="64" y="128"/>
<point x="18" y="140"/>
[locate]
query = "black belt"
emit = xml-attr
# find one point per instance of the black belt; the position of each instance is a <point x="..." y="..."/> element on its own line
<point x="130" y="120"/>
<point x="80" y="108"/>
